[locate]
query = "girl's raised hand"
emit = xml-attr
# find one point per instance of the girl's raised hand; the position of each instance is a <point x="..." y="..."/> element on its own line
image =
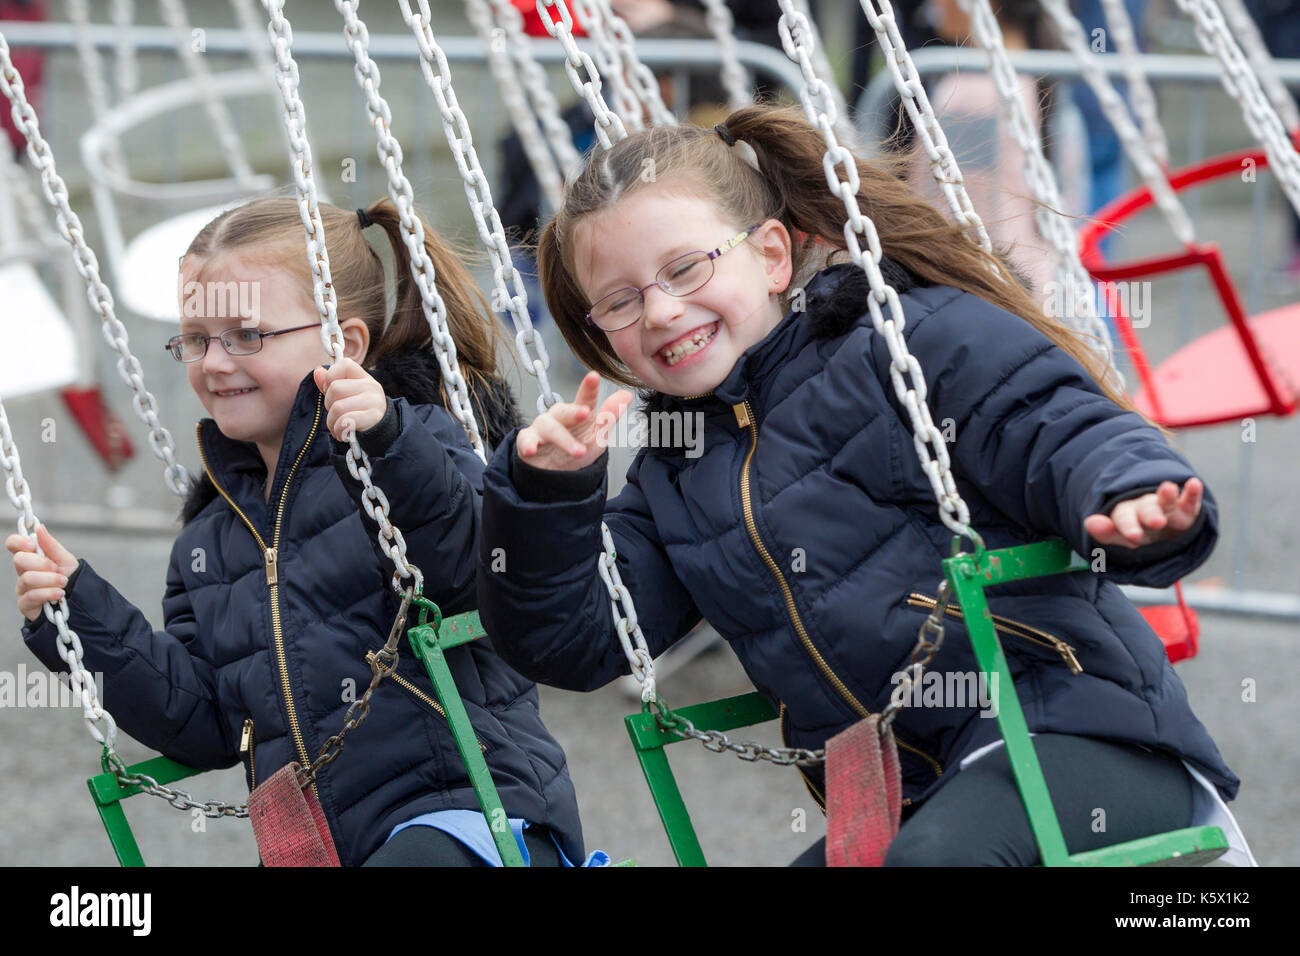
<point x="41" y="577"/>
<point x="1157" y="516"/>
<point x="351" y="396"/>
<point x="571" y="435"/>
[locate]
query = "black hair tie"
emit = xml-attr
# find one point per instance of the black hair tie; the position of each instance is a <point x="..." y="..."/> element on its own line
<point x="725" y="134"/>
<point x="364" y="218"/>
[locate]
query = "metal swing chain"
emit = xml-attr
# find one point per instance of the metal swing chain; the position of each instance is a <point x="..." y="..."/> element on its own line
<point x="508" y="285"/>
<point x="608" y="56"/>
<point x="97" y="293"/>
<point x="1243" y="27"/>
<point x="735" y="78"/>
<point x="640" y="76"/>
<point x="520" y="47"/>
<point x="92" y="72"/>
<point x="609" y="127"/>
<point x="412" y="228"/>
<point x="1242" y="84"/>
<point x="128" y="76"/>
<point x="1138" y="149"/>
<point x="522" y="117"/>
<point x="1140" y="95"/>
<point x="943" y="164"/>
<point x="1040" y="179"/>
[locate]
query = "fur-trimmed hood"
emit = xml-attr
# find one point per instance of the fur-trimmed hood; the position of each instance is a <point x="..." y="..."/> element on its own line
<point x="414" y="375"/>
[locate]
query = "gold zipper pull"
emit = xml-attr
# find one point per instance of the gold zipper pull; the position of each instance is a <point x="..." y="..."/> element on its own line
<point x="272" y="571"/>
<point x="742" y="415"/>
<point x="246" y="738"/>
<point x="1067" y="652"/>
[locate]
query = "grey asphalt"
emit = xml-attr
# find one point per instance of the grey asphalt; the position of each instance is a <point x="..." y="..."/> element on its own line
<point x="746" y="814"/>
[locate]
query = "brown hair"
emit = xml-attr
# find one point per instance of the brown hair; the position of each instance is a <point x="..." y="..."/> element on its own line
<point x="792" y="188"/>
<point x="273" y="228"/>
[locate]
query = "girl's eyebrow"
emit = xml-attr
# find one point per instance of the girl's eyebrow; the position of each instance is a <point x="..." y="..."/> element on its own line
<point x="672" y="253"/>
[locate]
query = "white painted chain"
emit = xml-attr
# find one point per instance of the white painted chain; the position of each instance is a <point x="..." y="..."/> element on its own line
<point x="92" y="72"/>
<point x="520" y="47"/>
<point x="522" y="118"/>
<point x="1242" y="84"/>
<point x="1138" y="148"/>
<point x="251" y="25"/>
<point x="19" y="187"/>
<point x="1244" y="28"/>
<point x="1139" y="89"/>
<point x="843" y="128"/>
<point x="609" y="128"/>
<point x="943" y="164"/>
<point x="507" y="284"/>
<point x="609" y="62"/>
<point x="223" y="125"/>
<point x="294" y="117"/>
<point x="1040" y="179"/>
<point x="101" y="299"/>
<point x="639" y="75"/>
<point x="735" y="79"/>
<point x="128" y="76"/>
<point x="403" y="196"/>
<point x="842" y="178"/>
<point x="99" y="721"/>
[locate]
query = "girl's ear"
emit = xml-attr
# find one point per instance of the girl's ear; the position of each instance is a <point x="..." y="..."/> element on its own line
<point x="774" y="241"/>
<point x="356" y="339"/>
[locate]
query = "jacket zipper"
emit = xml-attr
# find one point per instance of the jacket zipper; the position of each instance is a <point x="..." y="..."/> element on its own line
<point x="246" y="747"/>
<point x="271" y="555"/>
<point x="745" y="418"/>
<point x="412" y="689"/>
<point x="1008" y="626"/>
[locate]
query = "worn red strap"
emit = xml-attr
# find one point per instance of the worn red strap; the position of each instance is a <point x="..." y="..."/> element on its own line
<point x="289" y="823"/>
<point x="864" y="792"/>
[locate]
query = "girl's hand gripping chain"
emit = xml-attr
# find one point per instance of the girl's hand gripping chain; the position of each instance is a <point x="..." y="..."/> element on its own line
<point x="41" y="577"/>
<point x="354" y="400"/>
<point x="571" y="435"/>
<point x="1163" y="514"/>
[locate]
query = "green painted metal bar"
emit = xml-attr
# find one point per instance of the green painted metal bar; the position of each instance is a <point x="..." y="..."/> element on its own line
<point x="1193" y="846"/>
<point x="668" y="800"/>
<point x="107" y="794"/>
<point x="461" y="629"/>
<point x="425" y="641"/>
<point x="119" y="833"/>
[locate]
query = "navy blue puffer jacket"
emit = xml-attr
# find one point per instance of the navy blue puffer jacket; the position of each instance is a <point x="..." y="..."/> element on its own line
<point x="807" y="534"/>
<point x="283" y="663"/>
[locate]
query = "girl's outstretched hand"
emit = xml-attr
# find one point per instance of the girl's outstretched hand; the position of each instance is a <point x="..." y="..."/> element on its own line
<point x="1157" y="516"/>
<point x="571" y="435"/>
<point x="41" y="577"/>
<point x="354" y="400"/>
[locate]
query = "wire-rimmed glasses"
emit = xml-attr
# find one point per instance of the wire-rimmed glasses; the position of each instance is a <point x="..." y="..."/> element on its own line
<point x="193" y="346"/>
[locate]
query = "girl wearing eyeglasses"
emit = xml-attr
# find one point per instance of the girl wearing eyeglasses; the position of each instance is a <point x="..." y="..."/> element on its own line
<point x="278" y="584"/>
<point x="805" y="530"/>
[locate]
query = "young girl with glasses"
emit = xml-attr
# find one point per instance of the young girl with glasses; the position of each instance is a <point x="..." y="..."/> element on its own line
<point x="278" y="584"/>
<point x="805" y="531"/>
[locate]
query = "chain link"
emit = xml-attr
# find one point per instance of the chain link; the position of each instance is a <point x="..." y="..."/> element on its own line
<point x="1040" y="179"/>
<point x="735" y="79"/>
<point x="1246" y="31"/>
<point x="609" y="127"/>
<point x="524" y="120"/>
<point x="508" y="285"/>
<point x="718" y="742"/>
<point x="608" y="56"/>
<point x="1139" y="89"/>
<point x="1138" y="149"/>
<point x="640" y="76"/>
<point x="92" y="72"/>
<point x="128" y="77"/>
<point x="1242" y="84"/>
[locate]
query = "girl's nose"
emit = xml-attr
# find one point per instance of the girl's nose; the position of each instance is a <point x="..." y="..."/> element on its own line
<point x="660" y="309"/>
<point x="217" y="359"/>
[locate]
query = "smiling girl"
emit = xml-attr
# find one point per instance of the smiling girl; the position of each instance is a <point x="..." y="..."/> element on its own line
<point x="806" y="532"/>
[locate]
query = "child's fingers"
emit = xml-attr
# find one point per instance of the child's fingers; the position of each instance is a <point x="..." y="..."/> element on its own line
<point x="32" y="601"/>
<point x="553" y="433"/>
<point x="17" y="543"/>
<point x="31" y="561"/>
<point x="588" y="391"/>
<point x="56" y="551"/>
<point x="38" y="580"/>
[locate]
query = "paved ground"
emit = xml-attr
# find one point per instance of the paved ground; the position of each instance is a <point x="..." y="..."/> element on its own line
<point x="744" y="813"/>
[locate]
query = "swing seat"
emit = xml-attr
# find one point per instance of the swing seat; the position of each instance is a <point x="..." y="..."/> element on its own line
<point x="40" y="350"/>
<point x="1247" y="368"/>
<point x="1176" y="625"/>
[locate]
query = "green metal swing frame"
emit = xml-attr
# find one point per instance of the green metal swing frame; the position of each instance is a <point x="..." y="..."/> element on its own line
<point x="429" y="641"/>
<point x="968" y="574"/>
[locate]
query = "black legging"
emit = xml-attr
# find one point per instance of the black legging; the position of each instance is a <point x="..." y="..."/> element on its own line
<point x="429" y="846"/>
<point x="979" y="819"/>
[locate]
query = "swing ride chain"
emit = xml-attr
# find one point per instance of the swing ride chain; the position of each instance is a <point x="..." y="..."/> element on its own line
<point x="588" y="89"/>
<point x="180" y="799"/>
<point x="1138" y="149"/>
<point x="1139" y="89"/>
<point x="1247" y="34"/>
<point x="1242" y="84"/>
<point x="540" y="158"/>
<point x="98" y="294"/>
<point x="412" y="228"/>
<point x="96" y="89"/>
<point x="735" y="79"/>
<point x="293" y="115"/>
<point x="519" y="45"/>
<point x="1052" y="225"/>
<point x="640" y="76"/>
<point x="507" y="284"/>
<point x="609" y="61"/>
<point x="943" y="164"/>
<point x="128" y="76"/>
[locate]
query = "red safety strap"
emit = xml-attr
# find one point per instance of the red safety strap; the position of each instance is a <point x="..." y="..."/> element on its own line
<point x="289" y="823"/>
<point x="864" y="792"/>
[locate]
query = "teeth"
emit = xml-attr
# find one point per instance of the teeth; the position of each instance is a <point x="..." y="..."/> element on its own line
<point x="237" y="391"/>
<point x="689" y="346"/>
